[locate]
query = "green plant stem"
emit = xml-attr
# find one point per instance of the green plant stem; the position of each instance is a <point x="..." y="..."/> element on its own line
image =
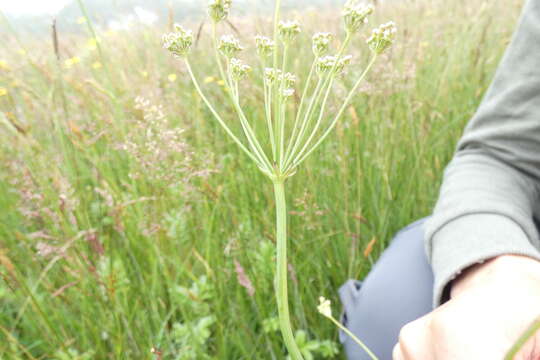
<point x="314" y="101"/>
<point x="356" y="340"/>
<point x="346" y="103"/>
<point x="281" y="108"/>
<point x="233" y="95"/>
<point x="305" y="121"/>
<point x="218" y="118"/>
<point x="281" y="271"/>
<point x="300" y="107"/>
<point x="268" y="112"/>
<point x="523" y="339"/>
<point x="319" y="120"/>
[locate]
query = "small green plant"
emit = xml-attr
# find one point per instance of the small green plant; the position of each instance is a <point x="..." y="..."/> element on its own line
<point x="293" y="132"/>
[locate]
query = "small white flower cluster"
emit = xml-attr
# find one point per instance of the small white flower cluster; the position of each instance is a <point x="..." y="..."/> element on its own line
<point x="229" y="46"/>
<point x="273" y="76"/>
<point x="218" y="10"/>
<point x="288" y="30"/>
<point x="325" y="307"/>
<point x="355" y="15"/>
<point x="238" y="69"/>
<point x="178" y="42"/>
<point x="329" y="62"/>
<point x="321" y="43"/>
<point x="382" y="37"/>
<point x="265" y="45"/>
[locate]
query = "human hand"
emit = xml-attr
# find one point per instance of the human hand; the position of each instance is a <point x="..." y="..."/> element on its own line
<point x="491" y="305"/>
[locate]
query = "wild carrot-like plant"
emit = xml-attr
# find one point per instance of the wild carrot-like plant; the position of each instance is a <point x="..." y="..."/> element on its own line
<point x="294" y="132"/>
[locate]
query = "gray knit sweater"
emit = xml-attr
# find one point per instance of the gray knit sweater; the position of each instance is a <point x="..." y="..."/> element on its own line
<point x="490" y="190"/>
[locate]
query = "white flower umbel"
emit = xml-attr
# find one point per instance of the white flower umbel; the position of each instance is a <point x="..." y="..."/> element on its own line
<point x="356" y="15"/>
<point x="218" y="10"/>
<point x="321" y="43"/>
<point x="382" y="37"/>
<point x="325" y="307"/>
<point x="265" y="46"/>
<point x="288" y="30"/>
<point x="178" y="42"/>
<point x="229" y="45"/>
<point x="292" y="133"/>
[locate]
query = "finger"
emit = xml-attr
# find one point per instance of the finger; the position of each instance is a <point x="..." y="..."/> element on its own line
<point x="396" y="353"/>
<point x="414" y="340"/>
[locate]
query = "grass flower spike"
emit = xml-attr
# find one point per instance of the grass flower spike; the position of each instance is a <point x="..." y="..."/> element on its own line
<point x="292" y="133"/>
<point x="178" y="42"/>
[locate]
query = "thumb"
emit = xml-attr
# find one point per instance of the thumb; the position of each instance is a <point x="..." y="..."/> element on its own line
<point x="414" y="341"/>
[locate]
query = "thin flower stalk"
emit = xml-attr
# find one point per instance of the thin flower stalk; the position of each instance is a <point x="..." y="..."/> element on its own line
<point x="218" y="117"/>
<point x="325" y="309"/>
<point x="315" y="98"/>
<point x="346" y="103"/>
<point x="290" y="143"/>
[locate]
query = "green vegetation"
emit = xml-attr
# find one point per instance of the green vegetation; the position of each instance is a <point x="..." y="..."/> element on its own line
<point x="133" y="228"/>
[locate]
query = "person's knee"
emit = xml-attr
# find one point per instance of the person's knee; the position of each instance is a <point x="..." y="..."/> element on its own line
<point x="396" y="291"/>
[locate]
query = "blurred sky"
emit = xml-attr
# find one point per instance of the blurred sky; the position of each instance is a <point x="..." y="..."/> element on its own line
<point x="19" y="7"/>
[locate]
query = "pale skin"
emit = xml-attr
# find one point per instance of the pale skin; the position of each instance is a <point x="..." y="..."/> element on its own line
<point x="491" y="305"/>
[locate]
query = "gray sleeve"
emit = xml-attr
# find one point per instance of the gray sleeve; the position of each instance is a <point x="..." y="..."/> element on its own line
<point x="490" y="189"/>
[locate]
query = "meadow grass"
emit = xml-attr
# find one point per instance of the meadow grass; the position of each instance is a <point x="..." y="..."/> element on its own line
<point x="130" y="222"/>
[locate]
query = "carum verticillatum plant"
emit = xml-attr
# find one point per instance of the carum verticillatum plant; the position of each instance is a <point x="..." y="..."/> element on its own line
<point x="293" y="131"/>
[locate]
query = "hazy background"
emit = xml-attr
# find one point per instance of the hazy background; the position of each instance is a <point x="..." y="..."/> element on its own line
<point x="36" y="15"/>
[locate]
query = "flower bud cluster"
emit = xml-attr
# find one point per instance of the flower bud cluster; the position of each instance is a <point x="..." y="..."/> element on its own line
<point x="278" y="78"/>
<point x="218" y="10"/>
<point x="287" y="93"/>
<point x="265" y="46"/>
<point x="229" y="46"/>
<point x="178" y="42"/>
<point x="327" y="63"/>
<point x="271" y="75"/>
<point x="356" y="15"/>
<point x="382" y="37"/>
<point x="321" y="43"/>
<point x="325" y="307"/>
<point x="288" y="30"/>
<point x="238" y="69"/>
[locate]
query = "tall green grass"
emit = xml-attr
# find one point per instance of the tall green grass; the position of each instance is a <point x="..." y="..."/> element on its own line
<point x="114" y="242"/>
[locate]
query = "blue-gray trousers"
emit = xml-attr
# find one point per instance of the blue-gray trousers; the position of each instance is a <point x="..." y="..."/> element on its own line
<point x="398" y="290"/>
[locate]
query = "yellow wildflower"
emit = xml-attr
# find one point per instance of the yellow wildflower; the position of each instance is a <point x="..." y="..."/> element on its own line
<point x="72" y="61"/>
<point x="3" y="91"/>
<point x="209" y="79"/>
<point x="92" y="44"/>
<point x="97" y="65"/>
<point x="81" y="20"/>
<point x="144" y="74"/>
<point x="4" y="65"/>
<point x="221" y="82"/>
<point x="172" y="77"/>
